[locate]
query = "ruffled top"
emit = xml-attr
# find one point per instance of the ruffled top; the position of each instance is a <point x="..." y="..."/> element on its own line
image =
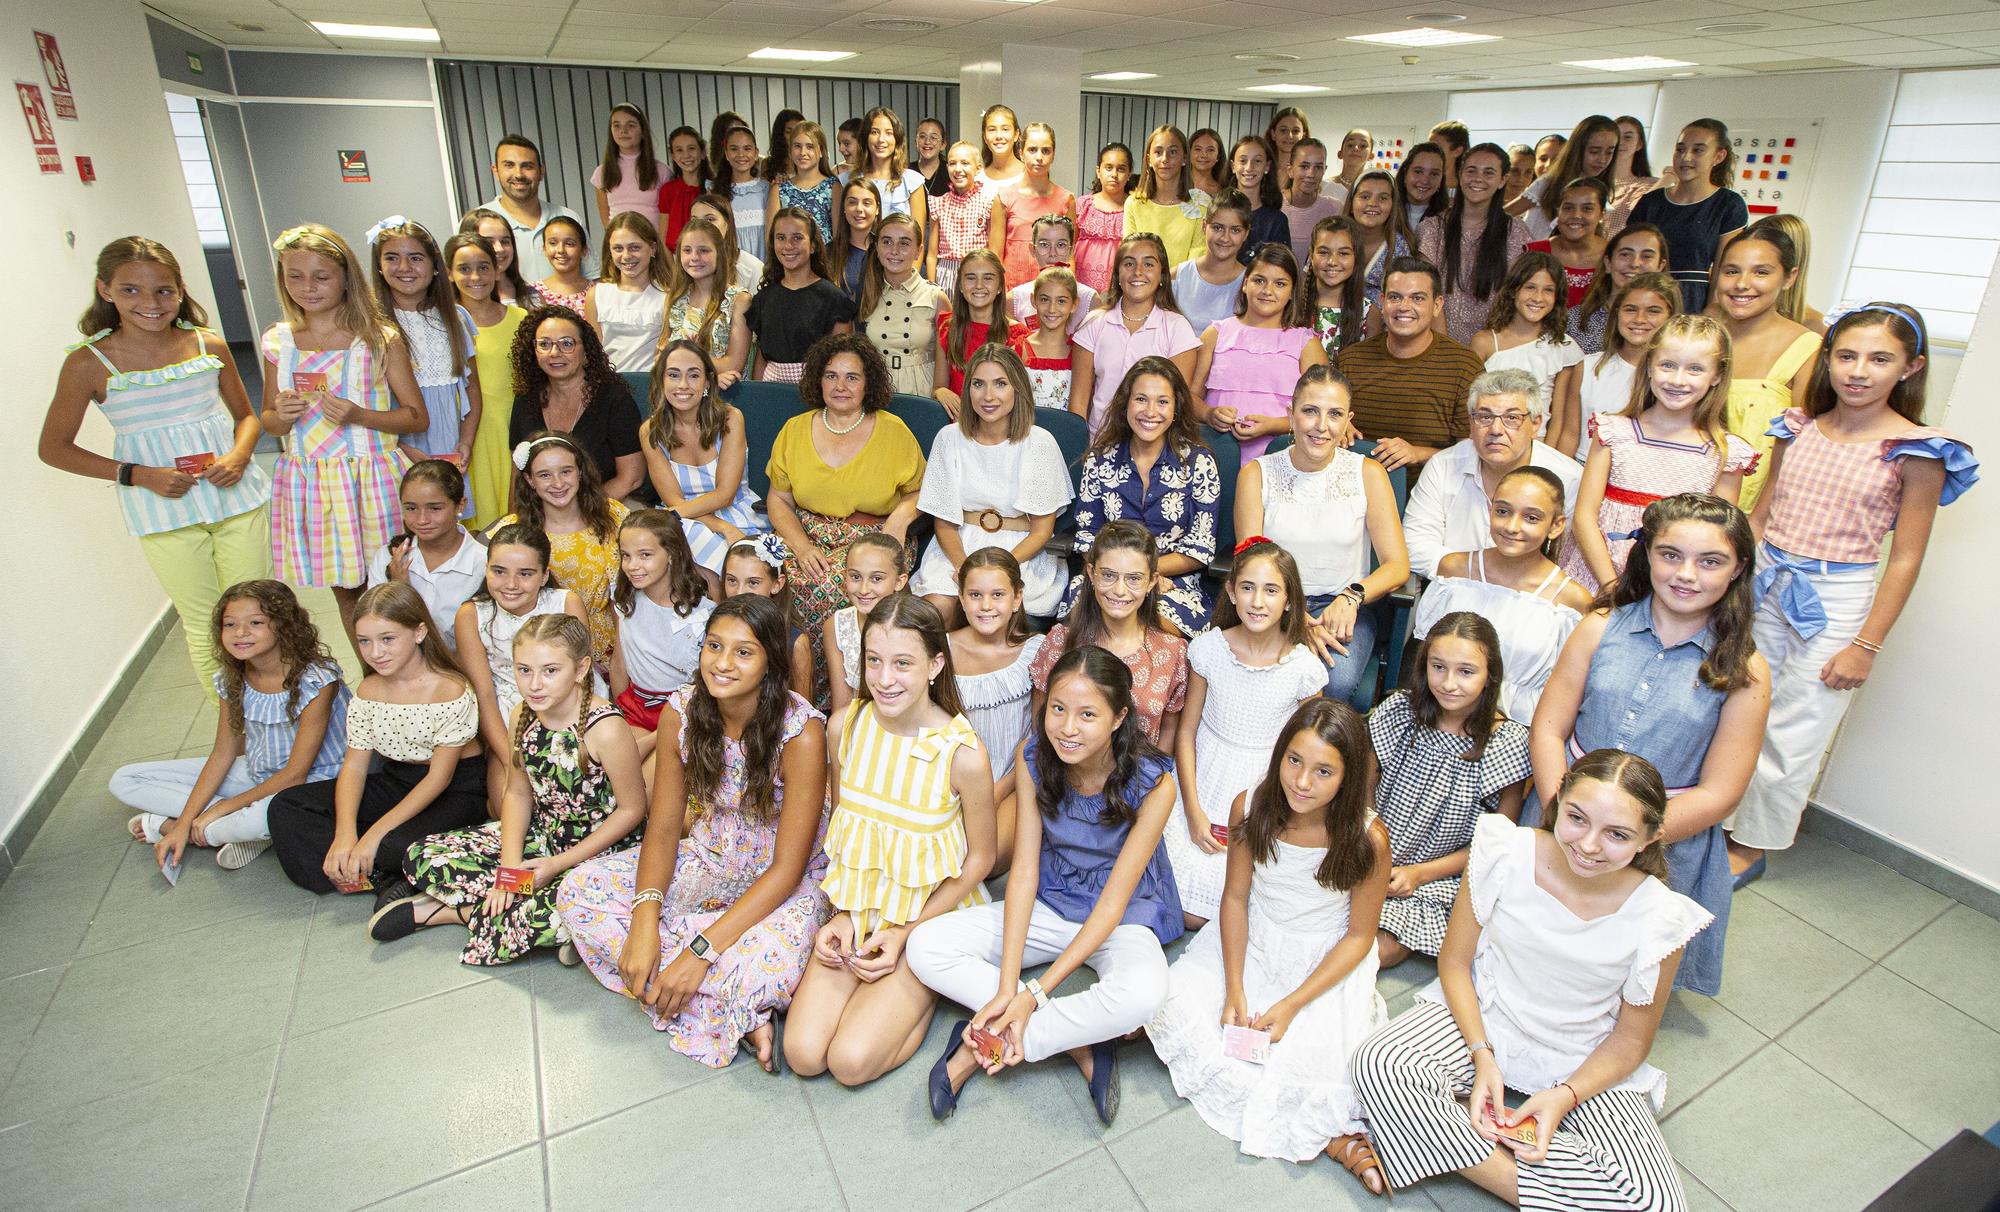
<point x="998" y="705"/>
<point x="897" y="830"/>
<point x="1254" y="366"/>
<point x="1550" y="984"/>
<point x="411" y="732"/>
<point x="1015" y="479"/>
<point x="1657" y="468"/>
<point x="1079" y="850"/>
<point x="1839" y="500"/>
<point x="271" y="728"/>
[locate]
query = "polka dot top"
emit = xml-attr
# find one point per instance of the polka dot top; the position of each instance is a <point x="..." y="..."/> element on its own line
<point x="411" y="732"/>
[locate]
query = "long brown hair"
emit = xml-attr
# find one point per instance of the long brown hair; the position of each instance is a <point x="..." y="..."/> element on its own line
<point x="126" y="250"/>
<point x="817" y="259"/>
<point x="908" y="612"/>
<point x="711" y="415"/>
<point x="1474" y="629"/>
<point x="730" y="252"/>
<point x="648" y="164"/>
<point x="1113" y="294"/>
<point x="1183" y="435"/>
<point x="1301" y="307"/>
<point x="1149" y="184"/>
<point x="1506" y="306"/>
<point x="299" y="645"/>
<point x="1002" y="561"/>
<point x="1601" y="286"/>
<point x="1129" y="744"/>
<point x="1652" y="282"/>
<point x="875" y="279"/>
<point x="1350" y="852"/>
<point x="1568" y="169"/>
<point x="703" y="751"/>
<point x="1292" y="625"/>
<point x="469" y="226"/>
<point x="590" y="499"/>
<point x="1728" y="664"/>
<point x="957" y="329"/>
<point x="399" y="604"/>
<point x="1900" y="321"/>
<point x="1354" y="291"/>
<point x="1636" y="777"/>
<point x="1489" y="257"/>
<point x="439" y="296"/>
<point x="639" y="225"/>
<point x="684" y="585"/>
<point x="1086" y="620"/>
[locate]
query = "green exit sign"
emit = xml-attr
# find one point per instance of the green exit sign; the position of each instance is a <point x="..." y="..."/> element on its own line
<point x="194" y="63"/>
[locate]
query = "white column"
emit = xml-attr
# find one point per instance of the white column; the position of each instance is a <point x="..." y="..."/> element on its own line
<point x="1040" y="83"/>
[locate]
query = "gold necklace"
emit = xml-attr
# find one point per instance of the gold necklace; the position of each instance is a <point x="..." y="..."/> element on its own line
<point x="825" y="413"/>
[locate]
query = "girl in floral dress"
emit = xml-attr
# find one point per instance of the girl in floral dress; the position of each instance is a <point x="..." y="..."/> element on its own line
<point x="575" y="791"/>
<point x="712" y="934"/>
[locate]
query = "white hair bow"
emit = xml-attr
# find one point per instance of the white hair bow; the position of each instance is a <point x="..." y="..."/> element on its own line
<point x="385" y="225"/>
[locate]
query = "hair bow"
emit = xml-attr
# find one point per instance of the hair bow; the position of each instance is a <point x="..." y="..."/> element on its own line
<point x="385" y="225"/>
<point x="291" y="236"/>
<point x="1243" y="545"/>
<point x="525" y="450"/>
<point x="768" y="547"/>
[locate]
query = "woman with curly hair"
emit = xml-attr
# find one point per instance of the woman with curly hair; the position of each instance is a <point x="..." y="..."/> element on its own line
<point x="842" y="467"/>
<point x="567" y="385"/>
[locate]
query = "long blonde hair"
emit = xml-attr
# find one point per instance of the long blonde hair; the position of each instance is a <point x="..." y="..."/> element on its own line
<point x="1711" y="411"/>
<point x="679" y="286"/>
<point x="572" y="635"/>
<point x="358" y="313"/>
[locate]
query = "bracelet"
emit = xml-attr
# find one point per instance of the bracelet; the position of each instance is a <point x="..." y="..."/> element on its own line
<point x="1577" y="1102"/>
<point x="1033" y="988"/>
<point x="650" y="894"/>
<point x="1865" y="645"/>
<point x="125" y="471"/>
<point x="1472" y="1048"/>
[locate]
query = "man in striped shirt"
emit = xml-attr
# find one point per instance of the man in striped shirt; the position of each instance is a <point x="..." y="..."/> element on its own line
<point x="1410" y="380"/>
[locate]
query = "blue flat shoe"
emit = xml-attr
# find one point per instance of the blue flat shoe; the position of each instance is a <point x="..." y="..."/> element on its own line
<point x="1104" y="1080"/>
<point x="944" y="1099"/>
<point x="1748" y="876"/>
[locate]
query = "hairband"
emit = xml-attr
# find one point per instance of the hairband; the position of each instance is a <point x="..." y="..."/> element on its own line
<point x="768" y="547"/>
<point x="1893" y="309"/>
<point x="385" y="225"/>
<point x="523" y="451"/>
<point x="291" y="236"/>
<point x="1244" y="545"/>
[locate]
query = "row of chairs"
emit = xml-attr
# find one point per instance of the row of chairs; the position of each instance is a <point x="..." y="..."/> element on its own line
<point x="767" y="406"/>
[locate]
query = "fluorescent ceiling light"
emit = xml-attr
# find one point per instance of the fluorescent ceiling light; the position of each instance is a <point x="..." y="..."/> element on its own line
<point x="1424" y="36"/>
<point x="1286" y="88"/>
<point x="388" y="33"/>
<point x="1631" y="63"/>
<point x="800" y="56"/>
<point x="1126" y="76"/>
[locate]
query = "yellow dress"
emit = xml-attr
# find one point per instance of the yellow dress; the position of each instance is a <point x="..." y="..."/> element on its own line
<point x="492" y="470"/>
<point x="1178" y="226"/>
<point x="587" y="568"/>
<point x="1755" y="403"/>
<point x="897" y="831"/>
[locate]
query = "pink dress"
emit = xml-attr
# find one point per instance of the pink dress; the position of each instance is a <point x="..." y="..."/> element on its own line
<point x="1644" y="470"/>
<point x="1022" y="209"/>
<point x="1098" y="232"/>
<point x="1254" y="371"/>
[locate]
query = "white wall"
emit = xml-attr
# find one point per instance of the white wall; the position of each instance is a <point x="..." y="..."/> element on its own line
<point x="1408" y="116"/>
<point x="82" y="598"/>
<point x="1909" y="763"/>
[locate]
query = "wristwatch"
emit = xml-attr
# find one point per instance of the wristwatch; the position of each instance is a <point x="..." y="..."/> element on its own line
<point x="1033" y="988"/>
<point x="702" y="949"/>
<point x="125" y="471"/>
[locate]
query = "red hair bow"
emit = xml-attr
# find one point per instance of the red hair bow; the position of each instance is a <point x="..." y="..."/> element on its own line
<point x="1244" y="545"/>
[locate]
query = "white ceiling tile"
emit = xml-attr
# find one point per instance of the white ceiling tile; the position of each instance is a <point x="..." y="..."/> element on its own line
<point x="1810" y="36"/>
<point x="1931" y="27"/>
<point x="1941" y="57"/>
<point x="1894" y="10"/>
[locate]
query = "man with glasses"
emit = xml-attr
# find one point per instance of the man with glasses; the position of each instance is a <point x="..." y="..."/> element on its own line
<point x="1409" y="379"/>
<point x="1448" y="508"/>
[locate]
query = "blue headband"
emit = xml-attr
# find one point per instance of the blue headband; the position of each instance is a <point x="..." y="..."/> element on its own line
<point x="1903" y="313"/>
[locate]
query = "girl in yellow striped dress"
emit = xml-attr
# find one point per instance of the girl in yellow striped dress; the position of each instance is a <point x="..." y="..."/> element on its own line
<point x="911" y="837"/>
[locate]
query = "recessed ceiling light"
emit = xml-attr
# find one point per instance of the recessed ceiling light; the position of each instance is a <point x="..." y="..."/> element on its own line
<point x="899" y="25"/>
<point x="800" y="56"/>
<point x="388" y="33"/>
<point x="1680" y="75"/>
<point x="1286" y="88"/>
<point x="1732" y="27"/>
<point x="1113" y="77"/>
<point x="1264" y="57"/>
<point x="1631" y="63"/>
<point x="1423" y="36"/>
<point x="1434" y="18"/>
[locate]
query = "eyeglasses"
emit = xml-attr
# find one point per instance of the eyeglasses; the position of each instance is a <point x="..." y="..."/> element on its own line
<point x="1509" y="421"/>
<point x="552" y="344"/>
<point x="1136" y="582"/>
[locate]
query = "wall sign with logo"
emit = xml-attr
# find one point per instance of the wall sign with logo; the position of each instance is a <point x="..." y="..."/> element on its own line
<point x="61" y="95"/>
<point x="41" y="131"/>
<point x="353" y="166"/>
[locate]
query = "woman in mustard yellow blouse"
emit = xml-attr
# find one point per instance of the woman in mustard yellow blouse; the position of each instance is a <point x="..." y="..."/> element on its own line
<point x="838" y="469"/>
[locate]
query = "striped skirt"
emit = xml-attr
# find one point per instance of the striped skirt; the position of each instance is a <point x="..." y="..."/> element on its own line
<point x="329" y="515"/>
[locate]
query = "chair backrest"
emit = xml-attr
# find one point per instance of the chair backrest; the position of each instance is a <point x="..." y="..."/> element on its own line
<point x="640" y="383"/>
<point x="1072" y="435"/>
<point x="1399" y="479"/>
<point x="924" y="416"/>
<point x="765" y="407"/>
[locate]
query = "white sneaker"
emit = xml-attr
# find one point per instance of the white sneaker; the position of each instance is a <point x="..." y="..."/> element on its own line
<point x="239" y="854"/>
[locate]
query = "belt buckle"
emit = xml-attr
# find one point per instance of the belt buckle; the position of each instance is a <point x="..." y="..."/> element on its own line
<point x="990" y="520"/>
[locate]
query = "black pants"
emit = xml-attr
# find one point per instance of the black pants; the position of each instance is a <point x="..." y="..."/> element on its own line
<point x="302" y="818"/>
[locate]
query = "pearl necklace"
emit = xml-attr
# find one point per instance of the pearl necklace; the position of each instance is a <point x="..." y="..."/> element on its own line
<point x="825" y="413"/>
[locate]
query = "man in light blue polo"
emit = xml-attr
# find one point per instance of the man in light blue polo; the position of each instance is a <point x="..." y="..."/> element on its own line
<point x="517" y="170"/>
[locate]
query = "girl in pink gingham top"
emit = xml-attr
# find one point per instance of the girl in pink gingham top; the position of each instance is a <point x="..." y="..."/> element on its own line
<point x="964" y="215"/>
<point x="1852" y="467"/>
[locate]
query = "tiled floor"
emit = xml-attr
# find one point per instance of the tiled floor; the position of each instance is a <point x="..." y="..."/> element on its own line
<point x="236" y="1043"/>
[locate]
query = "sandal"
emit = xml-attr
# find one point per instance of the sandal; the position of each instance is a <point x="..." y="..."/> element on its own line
<point x="777" y="1065"/>
<point x="1356" y="1153"/>
<point x="137" y="827"/>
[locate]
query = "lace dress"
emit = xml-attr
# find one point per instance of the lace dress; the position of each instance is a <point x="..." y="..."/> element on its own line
<point x="1302" y="1096"/>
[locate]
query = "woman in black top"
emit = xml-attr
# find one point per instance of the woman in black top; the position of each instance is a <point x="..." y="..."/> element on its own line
<point x="567" y="385"/>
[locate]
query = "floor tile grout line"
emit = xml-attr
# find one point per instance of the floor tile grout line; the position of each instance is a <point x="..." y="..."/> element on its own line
<point x="447" y="1177"/>
<point x="1765" y="1041"/>
<point x="650" y="1099"/>
<point x="541" y="1087"/>
<point x="1865" y="1103"/>
<point x="1100" y="1146"/>
<point x="812" y="1113"/>
<point x="381" y="1010"/>
<point x="134" y="1088"/>
<point x="278" y="1063"/>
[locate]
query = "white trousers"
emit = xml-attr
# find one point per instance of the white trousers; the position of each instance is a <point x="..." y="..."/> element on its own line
<point x="1804" y="713"/>
<point x="958" y="956"/>
<point x="161" y="789"/>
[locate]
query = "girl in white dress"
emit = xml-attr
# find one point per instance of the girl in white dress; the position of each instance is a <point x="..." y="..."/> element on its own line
<point x="1245" y="676"/>
<point x="628" y="302"/>
<point x="1527" y="330"/>
<point x="995" y="479"/>
<point x="1555" y="971"/>
<point x="1515" y="586"/>
<point x="992" y="656"/>
<point x="1292" y="954"/>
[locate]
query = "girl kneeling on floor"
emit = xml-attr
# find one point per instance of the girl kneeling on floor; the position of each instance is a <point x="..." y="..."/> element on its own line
<point x="1100" y="895"/>
<point x="414" y="711"/>
<point x="1554" y="974"/>
<point x="283" y="723"/>
<point x="573" y="791"/>
<point x="712" y="934"/>
<point x="1298" y="963"/>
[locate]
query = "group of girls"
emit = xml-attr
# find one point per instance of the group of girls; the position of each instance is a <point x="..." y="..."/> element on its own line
<point x="1599" y="710"/>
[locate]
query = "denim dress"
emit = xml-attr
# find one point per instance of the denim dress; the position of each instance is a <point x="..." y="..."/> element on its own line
<point x="1650" y="701"/>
